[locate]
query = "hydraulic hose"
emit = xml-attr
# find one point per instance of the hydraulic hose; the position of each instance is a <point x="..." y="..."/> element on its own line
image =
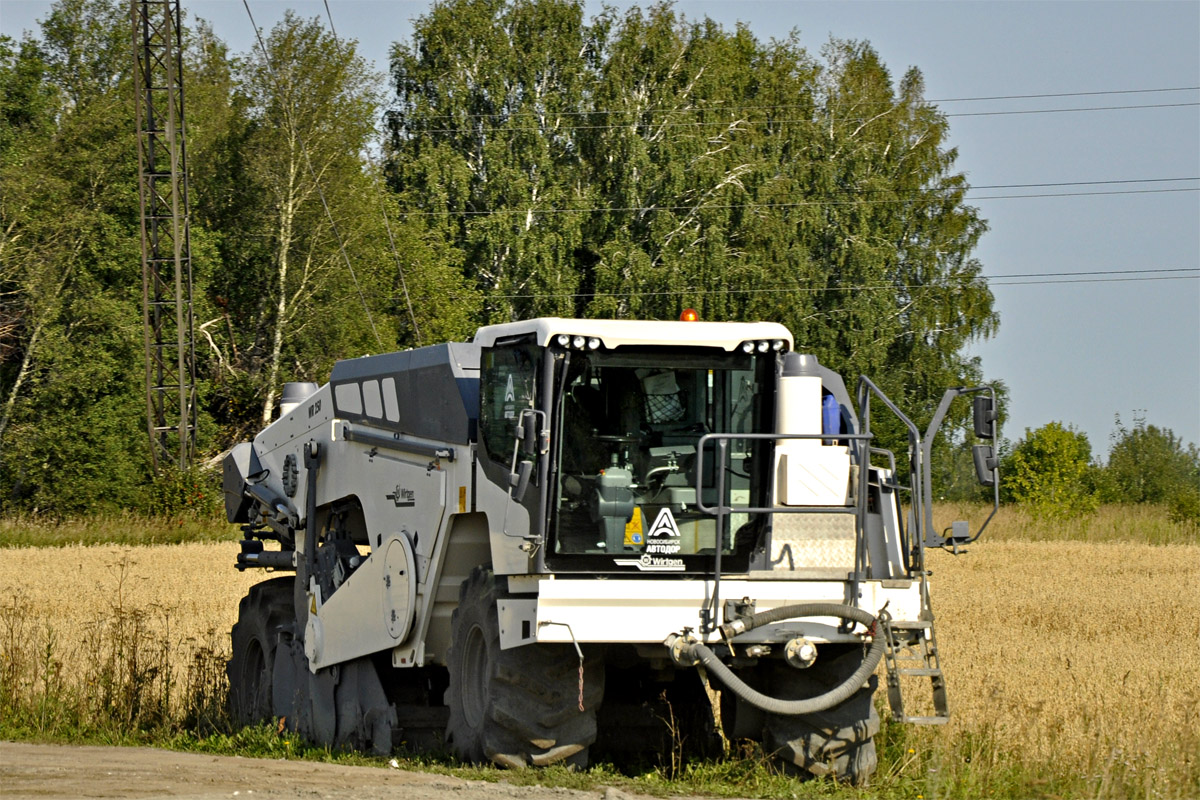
<point x="731" y="629"/>
<point x="693" y="650"/>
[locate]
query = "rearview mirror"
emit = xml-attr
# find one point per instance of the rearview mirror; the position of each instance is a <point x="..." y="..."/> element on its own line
<point x="985" y="464"/>
<point x="519" y="480"/>
<point x="985" y="417"/>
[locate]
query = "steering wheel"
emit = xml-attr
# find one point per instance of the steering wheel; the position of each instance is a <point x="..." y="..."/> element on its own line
<point x="614" y="438"/>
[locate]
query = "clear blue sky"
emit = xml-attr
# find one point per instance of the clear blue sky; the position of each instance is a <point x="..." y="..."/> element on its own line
<point x="1078" y="353"/>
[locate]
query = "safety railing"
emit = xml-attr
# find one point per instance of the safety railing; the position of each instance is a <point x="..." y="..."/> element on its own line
<point x="720" y="442"/>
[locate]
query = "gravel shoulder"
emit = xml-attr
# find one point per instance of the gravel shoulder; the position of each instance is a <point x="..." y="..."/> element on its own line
<point x="64" y="772"/>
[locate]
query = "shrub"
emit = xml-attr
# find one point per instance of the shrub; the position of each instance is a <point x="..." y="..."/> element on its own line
<point x="1049" y="471"/>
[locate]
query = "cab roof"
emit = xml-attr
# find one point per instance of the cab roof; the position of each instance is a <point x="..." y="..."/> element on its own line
<point x="620" y="332"/>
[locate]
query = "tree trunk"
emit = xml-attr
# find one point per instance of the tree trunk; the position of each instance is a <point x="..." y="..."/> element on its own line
<point x="22" y="374"/>
<point x="287" y="213"/>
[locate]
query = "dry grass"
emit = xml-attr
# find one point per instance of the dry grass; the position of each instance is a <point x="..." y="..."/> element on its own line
<point x="1073" y="666"/>
<point x="1084" y="657"/>
<point x="186" y="591"/>
<point x="124" y="638"/>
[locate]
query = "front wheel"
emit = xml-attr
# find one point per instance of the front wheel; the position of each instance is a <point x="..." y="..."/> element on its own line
<point x="839" y="742"/>
<point x="518" y="706"/>
<point x="263" y="611"/>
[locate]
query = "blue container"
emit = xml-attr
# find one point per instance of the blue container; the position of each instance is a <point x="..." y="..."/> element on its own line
<point x="831" y="416"/>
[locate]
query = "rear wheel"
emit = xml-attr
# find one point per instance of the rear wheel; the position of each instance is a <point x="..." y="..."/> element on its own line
<point x="263" y="611"/>
<point x="518" y="706"/>
<point x="838" y="742"/>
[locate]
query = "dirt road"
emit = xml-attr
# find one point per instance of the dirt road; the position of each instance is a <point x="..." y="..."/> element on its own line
<point x="55" y="772"/>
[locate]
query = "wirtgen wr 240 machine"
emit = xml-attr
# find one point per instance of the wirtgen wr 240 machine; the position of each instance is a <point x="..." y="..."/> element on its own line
<point x="536" y="546"/>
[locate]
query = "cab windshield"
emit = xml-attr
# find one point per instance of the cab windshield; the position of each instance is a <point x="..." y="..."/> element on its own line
<point x="625" y="479"/>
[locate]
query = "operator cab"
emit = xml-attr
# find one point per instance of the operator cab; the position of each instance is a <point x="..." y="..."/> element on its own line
<point x="624" y="405"/>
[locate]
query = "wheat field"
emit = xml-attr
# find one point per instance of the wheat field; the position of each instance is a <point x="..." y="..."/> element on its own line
<point x="1081" y="657"/>
<point x="187" y="593"/>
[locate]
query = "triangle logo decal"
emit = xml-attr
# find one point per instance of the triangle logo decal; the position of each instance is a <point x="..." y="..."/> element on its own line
<point x="664" y="525"/>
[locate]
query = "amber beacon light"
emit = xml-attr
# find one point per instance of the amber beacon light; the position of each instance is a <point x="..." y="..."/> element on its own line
<point x="689" y="315"/>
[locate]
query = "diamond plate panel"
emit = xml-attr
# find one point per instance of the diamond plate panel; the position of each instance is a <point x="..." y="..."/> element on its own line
<point x="800" y="541"/>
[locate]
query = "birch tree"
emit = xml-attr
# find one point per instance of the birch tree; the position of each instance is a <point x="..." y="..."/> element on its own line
<point x="311" y="105"/>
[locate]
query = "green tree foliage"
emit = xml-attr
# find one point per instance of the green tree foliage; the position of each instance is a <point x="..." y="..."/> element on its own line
<point x="294" y="195"/>
<point x="538" y="162"/>
<point x="71" y="429"/>
<point x="1148" y="464"/>
<point x="72" y="404"/>
<point x="639" y="164"/>
<point x="1050" y="472"/>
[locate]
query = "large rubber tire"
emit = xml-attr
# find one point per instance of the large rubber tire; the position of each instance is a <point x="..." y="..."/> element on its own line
<point x="839" y="742"/>
<point x="518" y="706"/>
<point x="263" y="611"/>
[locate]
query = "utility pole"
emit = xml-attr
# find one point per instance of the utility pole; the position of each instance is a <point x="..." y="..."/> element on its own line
<point x="166" y="252"/>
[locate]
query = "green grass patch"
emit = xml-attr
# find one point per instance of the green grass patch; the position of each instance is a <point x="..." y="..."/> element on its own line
<point x="1137" y="524"/>
<point x="1125" y="523"/>
<point x="123" y="529"/>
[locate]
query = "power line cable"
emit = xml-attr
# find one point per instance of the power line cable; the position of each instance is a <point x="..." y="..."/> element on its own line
<point x="732" y="124"/>
<point x="1097" y="280"/>
<point x="1068" y="110"/>
<point x="316" y="181"/>
<point x="789" y="106"/>
<point x="1093" y="272"/>
<point x="882" y="286"/>
<point x="889" y="287"/>
<point x="1066" y="94"/>
<point x="796" y="204"/>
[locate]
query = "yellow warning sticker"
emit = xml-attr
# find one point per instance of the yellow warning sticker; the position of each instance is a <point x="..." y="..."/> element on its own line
<point x="462" y="499"/>
<point x="633" y="530"/>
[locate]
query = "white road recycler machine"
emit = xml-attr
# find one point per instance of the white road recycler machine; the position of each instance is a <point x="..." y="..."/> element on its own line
<point x="537" y="546"/>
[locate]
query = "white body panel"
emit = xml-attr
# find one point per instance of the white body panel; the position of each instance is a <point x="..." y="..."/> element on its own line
<point x="404" y="496"/>
<point x="648" y="611"/>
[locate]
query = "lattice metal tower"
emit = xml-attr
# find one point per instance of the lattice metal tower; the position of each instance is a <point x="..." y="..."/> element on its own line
<point x="166" y="253"/>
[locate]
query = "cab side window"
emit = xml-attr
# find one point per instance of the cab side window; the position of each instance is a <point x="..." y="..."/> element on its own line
<point x="509" y="386"/>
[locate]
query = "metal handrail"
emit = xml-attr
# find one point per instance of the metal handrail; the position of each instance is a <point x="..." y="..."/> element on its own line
<point x="916" y="464"/>
<point x="708" y="614"/>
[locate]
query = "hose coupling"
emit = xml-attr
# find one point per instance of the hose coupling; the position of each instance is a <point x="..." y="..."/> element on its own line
<point x="732" y="629"/>
<point x="682" y="649"/>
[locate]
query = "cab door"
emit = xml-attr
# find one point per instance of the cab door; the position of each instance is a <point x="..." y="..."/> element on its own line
<point x="511" y="456"/>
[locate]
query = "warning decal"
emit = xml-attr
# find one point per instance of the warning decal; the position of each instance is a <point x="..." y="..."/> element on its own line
<point x="633" y="530"/>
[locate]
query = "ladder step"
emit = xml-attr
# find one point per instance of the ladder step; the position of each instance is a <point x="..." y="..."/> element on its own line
<point x="919" y="671"/>
<point x="926" y="720"/>
<point x="914" y="625"/>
